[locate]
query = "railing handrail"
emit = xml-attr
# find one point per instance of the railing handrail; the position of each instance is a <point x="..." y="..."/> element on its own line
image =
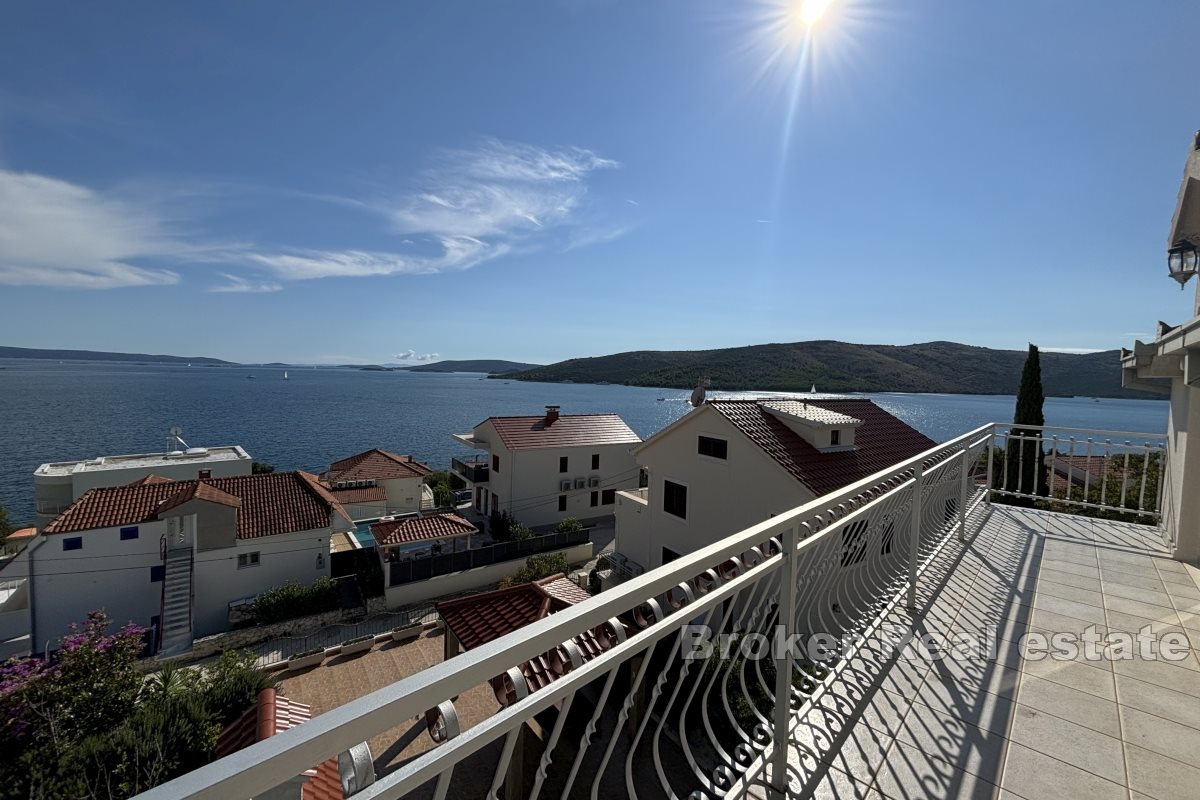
<point x="291" y="752"/>
<point x="1093" y="431"/>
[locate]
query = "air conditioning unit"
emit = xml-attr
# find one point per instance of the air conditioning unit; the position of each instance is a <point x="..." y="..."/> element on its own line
<point x="564" y="486"/>
<point x="593" y="481"/>
<point x="580" y="483"/>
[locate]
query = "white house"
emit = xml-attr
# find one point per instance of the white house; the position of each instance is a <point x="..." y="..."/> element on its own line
<point x="1174" y="355"/>
<point x="173" y="555"/>
<point x="542" y="469"/>
<point x="730" y="464"/>
<point x="377" y="483"/>
<point x="58" y="484"/>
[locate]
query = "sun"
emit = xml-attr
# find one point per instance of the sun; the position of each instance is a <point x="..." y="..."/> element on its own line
<point x="809" y="12"/>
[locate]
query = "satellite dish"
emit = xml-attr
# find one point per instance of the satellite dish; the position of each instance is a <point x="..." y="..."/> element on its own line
<point x="176" y="430"/>
<point x="697" y="398"/>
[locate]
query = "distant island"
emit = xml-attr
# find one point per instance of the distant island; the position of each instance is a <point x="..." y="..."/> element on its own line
<point x="490" y="366"/>
<point x="97" y="355"/>
<point x="831" y="366"/>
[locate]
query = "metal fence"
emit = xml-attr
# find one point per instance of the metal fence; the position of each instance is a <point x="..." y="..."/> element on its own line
<point x="419" y="569"/>
<point x="277" y="650"/>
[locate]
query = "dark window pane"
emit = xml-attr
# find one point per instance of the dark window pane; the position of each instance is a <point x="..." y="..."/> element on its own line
<point x="562" y="463"/>
<point x="608" y="497"/>
<point x="73" y="543"/>
<point x="562" y="502"/>
<point x="495" y="463"/>
<point x="835" y="438"/>
<point x="675" y="499"/>
<point x="129" y="533"/>
<point x="156" y="573"/>
<point x="595" y="499"/>
<point x="595" y="461"/>
<point x="714" y="448"/>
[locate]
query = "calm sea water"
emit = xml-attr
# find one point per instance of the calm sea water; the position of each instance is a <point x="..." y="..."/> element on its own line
<point x="51" y="411"/>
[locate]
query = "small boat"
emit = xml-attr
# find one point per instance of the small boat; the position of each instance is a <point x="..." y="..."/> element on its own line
<point x="661" y="399"/>
<point x="285" y="377"/>
<point x="813" y="390"/>
<point x="250" y="377"/>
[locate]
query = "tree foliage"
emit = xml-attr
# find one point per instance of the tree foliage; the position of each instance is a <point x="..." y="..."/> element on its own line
<point x="261" y="468"/>
<point x="568" y="525"/>
<point x="1025" y="462"/>
<point x="536" y="568"/>
<point x="86" y="724"/>
<point x="291" y="600"/>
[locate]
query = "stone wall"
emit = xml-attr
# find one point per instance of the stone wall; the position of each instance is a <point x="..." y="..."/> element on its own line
<point x="244" y="637"/>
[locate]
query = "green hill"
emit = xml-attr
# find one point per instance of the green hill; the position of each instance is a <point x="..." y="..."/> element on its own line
<point x="97" y="355"/>
<point x="491" y="366"/>
<point x="842" y="367"/>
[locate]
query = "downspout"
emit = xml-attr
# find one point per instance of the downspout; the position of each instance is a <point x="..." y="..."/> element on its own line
<point x="34" y="545"/>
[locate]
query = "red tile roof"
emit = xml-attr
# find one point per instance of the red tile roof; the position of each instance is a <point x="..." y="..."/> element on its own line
<point x="376" y="464"/>
<point x="568" y="430"/>
<point x="419" y="529"/>
<point x="880" y="441"/>
<point x="369" y="494"/>
<point x="477" y="619"/>
<point x="1076" y="470"/>
<point x="273" y="713"/>
<point x="150" y="479"/>
<point x="280" y="502"/>
<point x="199" y="490"/>
<point x="22" y="533"/>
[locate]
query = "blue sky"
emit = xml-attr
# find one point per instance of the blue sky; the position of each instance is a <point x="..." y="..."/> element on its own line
<point x="315" y="182"/>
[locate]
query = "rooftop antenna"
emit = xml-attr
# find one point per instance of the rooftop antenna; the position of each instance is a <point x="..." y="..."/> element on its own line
<point x="176" y="433"/>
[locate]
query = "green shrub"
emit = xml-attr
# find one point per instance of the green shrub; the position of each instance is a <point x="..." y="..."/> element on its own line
<point x="292" y="600"/>
<point x="536" y="568"/>
<point x="568" y="525"/>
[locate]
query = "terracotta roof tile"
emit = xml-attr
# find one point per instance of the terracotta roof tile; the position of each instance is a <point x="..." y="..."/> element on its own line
<point x="880" y="441"/>
<point x="568" y="430"/>
<point x="273" y="713"/>
<point x="198" y="490"/>
<point x="369" y="494"/>
<point x="22" y="533"/>
<point x="480" y="618"/>
<point x="151" y="479"/>
<point x="280" y="502"/>
<point x="419" y="529"/>
<point x="376" y="464"/>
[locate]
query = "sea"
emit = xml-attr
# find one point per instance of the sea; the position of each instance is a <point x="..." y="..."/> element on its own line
<point x="61" y="411"/>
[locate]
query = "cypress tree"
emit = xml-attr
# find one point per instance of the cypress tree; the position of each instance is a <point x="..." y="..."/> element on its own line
<point x="1025" y="469"/>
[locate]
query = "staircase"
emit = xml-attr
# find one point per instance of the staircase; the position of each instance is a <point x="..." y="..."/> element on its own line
<point x="176" y="614"/>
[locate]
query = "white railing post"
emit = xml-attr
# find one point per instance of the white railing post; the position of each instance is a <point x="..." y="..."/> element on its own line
<point x="991" y="458"/>
<point x="963" y="492"/>
<point x="785" y="622"/>
<point x="914" y="536"/>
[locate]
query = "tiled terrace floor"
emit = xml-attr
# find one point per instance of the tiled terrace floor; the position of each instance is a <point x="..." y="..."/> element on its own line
<point x="1009" y="725"/>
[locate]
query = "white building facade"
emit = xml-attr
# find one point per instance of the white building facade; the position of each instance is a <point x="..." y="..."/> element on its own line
<point x="543" y="469"/>
<point x="58" y="484"/>
<point x="730" y="464"/>
<point x="172" y="556"/>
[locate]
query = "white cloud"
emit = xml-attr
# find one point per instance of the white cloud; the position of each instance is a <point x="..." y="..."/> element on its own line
<point x="474" y="205"/>
<point x="55" y="233"/>
<point x="413" y="355"/>
<point x="242" y="285"/>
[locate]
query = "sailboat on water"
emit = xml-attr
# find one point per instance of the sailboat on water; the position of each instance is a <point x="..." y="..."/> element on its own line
<point x="285" y="377"/>
<point x="813" y="390"/>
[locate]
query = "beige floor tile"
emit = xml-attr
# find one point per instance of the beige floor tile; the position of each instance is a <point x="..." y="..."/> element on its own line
<point x="1161" y="777"/>
<point x="1079" y="707"/>
<point x="1158" y="700"/>
<point x="1034" y="775"/>
<point x="1059" y="738"/>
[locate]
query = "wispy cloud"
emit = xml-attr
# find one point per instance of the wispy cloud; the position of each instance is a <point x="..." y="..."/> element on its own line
<point x="242" y="285"/>
<point x="469" y="206"/>
<point x="413" y="355"/>
<point x="1072" y="350"/>
<point x="632" y="202"/>
<point x="55" y="233"/>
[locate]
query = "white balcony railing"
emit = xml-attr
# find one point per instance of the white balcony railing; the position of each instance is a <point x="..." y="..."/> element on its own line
<point x="652" y="721"/>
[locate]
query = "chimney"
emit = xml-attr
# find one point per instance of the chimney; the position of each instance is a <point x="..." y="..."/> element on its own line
<point x="551" y="415"/>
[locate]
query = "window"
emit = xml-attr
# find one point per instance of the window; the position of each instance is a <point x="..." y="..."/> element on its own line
<point x="608" y="497"/>
<point x="248" y="560"/>
<point x="562" y="502"/>
<point x="595" y="499"/>
<point x="129" y="533"/>
<point x="713" y="448"/>
<point x="669" y="555"/>
<point x="835" y="438"/>
<point x="157" y="572"/>
<point x="495" y="463"/>
<point x="562" y="463"/>
<point x="595" y="461"/>
<point x="675" y="499"/>
<point x="73" y="543"/>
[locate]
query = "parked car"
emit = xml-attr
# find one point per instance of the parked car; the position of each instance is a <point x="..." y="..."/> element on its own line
<point x="462" y="496"/>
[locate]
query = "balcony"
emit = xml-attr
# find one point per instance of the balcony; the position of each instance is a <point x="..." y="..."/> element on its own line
<point x="473" y="470"/>
<point x="924" y="609"/>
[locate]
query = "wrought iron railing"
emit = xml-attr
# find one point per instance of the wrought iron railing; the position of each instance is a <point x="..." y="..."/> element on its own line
<point x="419" y="569"/>
<point x="639" y="706"/>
